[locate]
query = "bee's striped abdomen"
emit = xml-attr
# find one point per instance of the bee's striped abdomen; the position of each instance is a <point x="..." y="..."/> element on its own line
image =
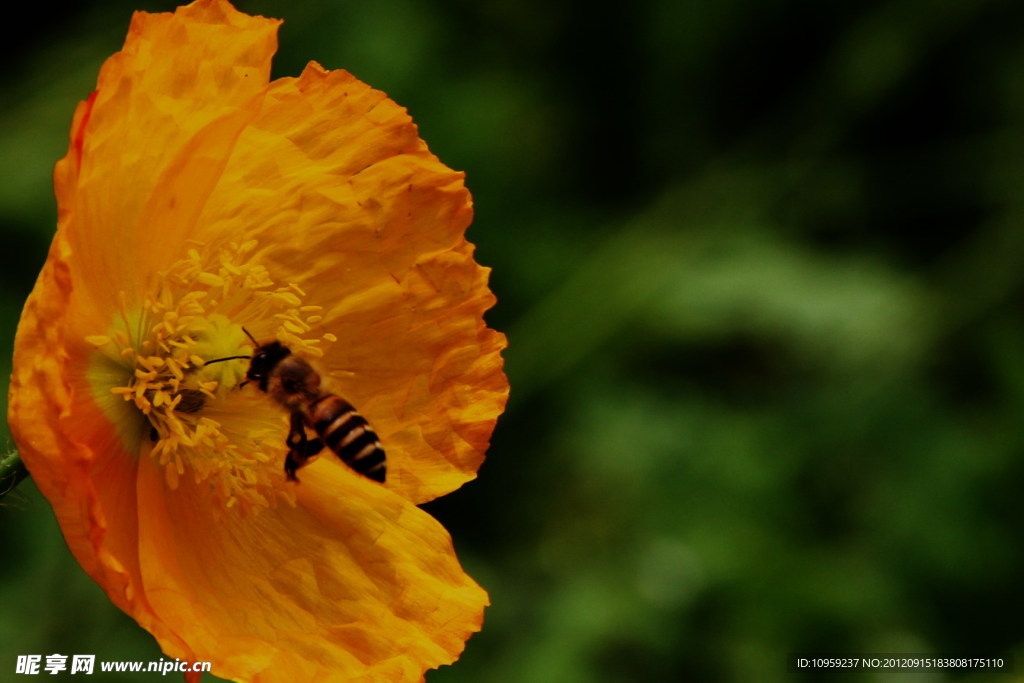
<point x="346" y="432"/>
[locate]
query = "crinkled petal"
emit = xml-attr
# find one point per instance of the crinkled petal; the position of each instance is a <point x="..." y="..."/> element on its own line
<point x="148" y="146"/>
<point x="143" y="155"/>
<point x="74" y="454"/>
<point x="352" y="584"/>
<point x="346" y="201"/>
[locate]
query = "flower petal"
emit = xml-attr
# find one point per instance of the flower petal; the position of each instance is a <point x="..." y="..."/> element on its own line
<point x="134" y="142"/>
<point x="351" y="584"/>
<point x="345" y="200"/>
<point x="75" y="456"/>
<point x="148" y="146"/>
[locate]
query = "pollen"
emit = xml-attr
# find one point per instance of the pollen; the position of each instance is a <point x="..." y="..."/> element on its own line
<point x="199" y="417"/>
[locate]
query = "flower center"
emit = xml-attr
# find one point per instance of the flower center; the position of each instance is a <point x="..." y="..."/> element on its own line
<point x="198" y="417"/>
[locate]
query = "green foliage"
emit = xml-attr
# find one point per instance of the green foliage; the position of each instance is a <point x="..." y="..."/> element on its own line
<point x="760" y="266"/>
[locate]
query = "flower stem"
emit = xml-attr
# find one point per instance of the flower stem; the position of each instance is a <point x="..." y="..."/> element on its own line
<point x="12" y="471"/>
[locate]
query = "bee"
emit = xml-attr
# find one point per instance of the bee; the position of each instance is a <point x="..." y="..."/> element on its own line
<point x="295" y="386"/>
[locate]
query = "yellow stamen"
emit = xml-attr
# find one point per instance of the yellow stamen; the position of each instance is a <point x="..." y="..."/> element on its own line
<point x="194" y="316"/>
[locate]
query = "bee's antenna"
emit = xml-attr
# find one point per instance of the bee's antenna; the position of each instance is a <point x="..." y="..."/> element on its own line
<point x="218" y="360"/>
<point x="251" y="338"/>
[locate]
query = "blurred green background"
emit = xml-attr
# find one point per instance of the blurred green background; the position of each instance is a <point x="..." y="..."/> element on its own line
<point x="761" y="266"/>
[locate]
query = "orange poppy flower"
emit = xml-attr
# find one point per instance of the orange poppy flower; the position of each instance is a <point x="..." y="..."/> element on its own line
<point x="198" y="198"/>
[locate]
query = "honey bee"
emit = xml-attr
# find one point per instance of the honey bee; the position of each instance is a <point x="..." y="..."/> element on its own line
<point x="295" y="385"/>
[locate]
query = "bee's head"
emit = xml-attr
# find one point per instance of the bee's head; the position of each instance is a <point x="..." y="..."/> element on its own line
<point x="264" y="359"/>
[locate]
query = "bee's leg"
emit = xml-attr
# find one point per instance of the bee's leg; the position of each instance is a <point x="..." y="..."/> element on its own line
<point x="300" y="448"/>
